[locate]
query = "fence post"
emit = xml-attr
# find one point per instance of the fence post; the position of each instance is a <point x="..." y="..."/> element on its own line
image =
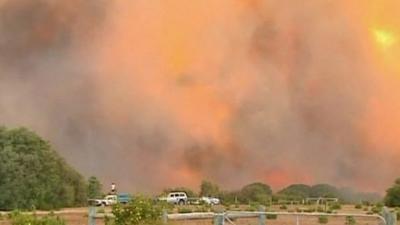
<point x="164" y="216"/>
<point x="92" y="215"/>
<point x="219" y="219"/>
<point x="390" y="217"/>
<point x="262" y="217"/>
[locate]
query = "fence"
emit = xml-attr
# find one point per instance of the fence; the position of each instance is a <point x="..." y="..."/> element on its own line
<point x="387" y="217"/>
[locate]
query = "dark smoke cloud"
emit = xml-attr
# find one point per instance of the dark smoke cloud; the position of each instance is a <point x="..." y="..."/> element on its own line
<point x="311" y="83"/>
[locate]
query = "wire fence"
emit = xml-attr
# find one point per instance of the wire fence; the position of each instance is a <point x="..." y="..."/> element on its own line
<point x="260" y="217"/>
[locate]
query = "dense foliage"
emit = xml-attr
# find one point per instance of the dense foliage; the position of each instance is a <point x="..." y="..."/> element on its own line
<point x="33" y="175"/>
<point x="255" y="192"/>
<point x="345" y="195"/>
<point x="140" y="210"/>
<point x="295" y="192"/>
<point x="392" y="197"/>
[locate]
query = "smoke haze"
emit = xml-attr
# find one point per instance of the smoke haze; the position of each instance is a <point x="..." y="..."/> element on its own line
<point x="150" y="94"/>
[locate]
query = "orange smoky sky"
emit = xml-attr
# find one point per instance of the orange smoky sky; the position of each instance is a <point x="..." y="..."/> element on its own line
<point x="158" y="93"/>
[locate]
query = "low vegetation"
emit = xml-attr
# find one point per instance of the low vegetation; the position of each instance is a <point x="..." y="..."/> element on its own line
<point x="350" y="220"/>
<point x="140" y="210"/>
<point x="17" y="218"/>
<point x="323" y="219"/>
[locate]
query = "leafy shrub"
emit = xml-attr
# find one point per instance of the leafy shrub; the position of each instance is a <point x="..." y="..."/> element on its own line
<point x="309" y="210"/>
<point x="185" y="210"/>
<point x="336" y="206"/>
<point x="284" y="207"/>
<point x="203" y="208"/>
<point x="323" y="219"/>
<point x="18" y="218"/>
<point x="376" y="210"/>
<point x="140" y="210"/>
<point x="350" y="220"/>
<point x="271" y="216"/>
<point x="320" y="209"/>
<point x="358" y="206"/>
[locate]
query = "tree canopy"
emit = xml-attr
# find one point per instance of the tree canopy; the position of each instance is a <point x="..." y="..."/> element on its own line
<point x="209" y="189"/>
<point x="295" y="192"/>
<point x="392" y="198"/>
<point x="33" y="175"/>
<point x="255" y="192"/>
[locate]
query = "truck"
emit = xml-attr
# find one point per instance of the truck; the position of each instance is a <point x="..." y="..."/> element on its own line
<point x="111" y="200"/>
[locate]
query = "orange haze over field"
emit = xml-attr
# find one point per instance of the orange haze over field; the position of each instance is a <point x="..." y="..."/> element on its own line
<point x="156" y="93"/>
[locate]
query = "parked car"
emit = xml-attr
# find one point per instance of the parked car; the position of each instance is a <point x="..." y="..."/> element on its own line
<point x="111" y="200"/>
<point x="179" y="198"/>
<point x="210" y="200"/>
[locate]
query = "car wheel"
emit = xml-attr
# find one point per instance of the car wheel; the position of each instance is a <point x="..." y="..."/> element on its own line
<point x="181" y="202"/>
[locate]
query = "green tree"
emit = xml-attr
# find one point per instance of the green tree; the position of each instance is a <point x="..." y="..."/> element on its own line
<point x="295" y="192"/>
<point x="34" y="176"/>
<point x="209" y="189"/>
<point x="324" y="190"/>
<point x="255" y="192"/>
<point x="392" y="198"/>
<point x="94" y="188"/>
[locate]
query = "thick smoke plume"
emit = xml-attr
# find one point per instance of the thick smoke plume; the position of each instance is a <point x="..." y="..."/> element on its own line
<point x="160" y="93"/>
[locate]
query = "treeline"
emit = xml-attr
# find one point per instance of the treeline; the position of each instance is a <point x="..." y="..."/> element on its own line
<point x="262" y="193"/>
<point x="34" y="176"/>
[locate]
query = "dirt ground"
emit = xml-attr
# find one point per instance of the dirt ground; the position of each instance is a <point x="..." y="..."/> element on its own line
<point x="78" y="216"/>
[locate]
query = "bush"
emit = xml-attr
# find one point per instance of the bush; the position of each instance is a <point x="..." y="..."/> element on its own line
<point x="140" y="210"/>
<point x="323" y="219"/>
<point x="376" y="210"/>
<point x="271" y="216"/>
<point x="18" y="218"/>
<point x="309" y="210"/>
<point x="202" y="209"/>
<point x="284" y="207"/>
<point x="358" y="206"/>
<point x="350" y="220"/>
<point x="336" y="206"/>
<point x="185" y="210"/>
